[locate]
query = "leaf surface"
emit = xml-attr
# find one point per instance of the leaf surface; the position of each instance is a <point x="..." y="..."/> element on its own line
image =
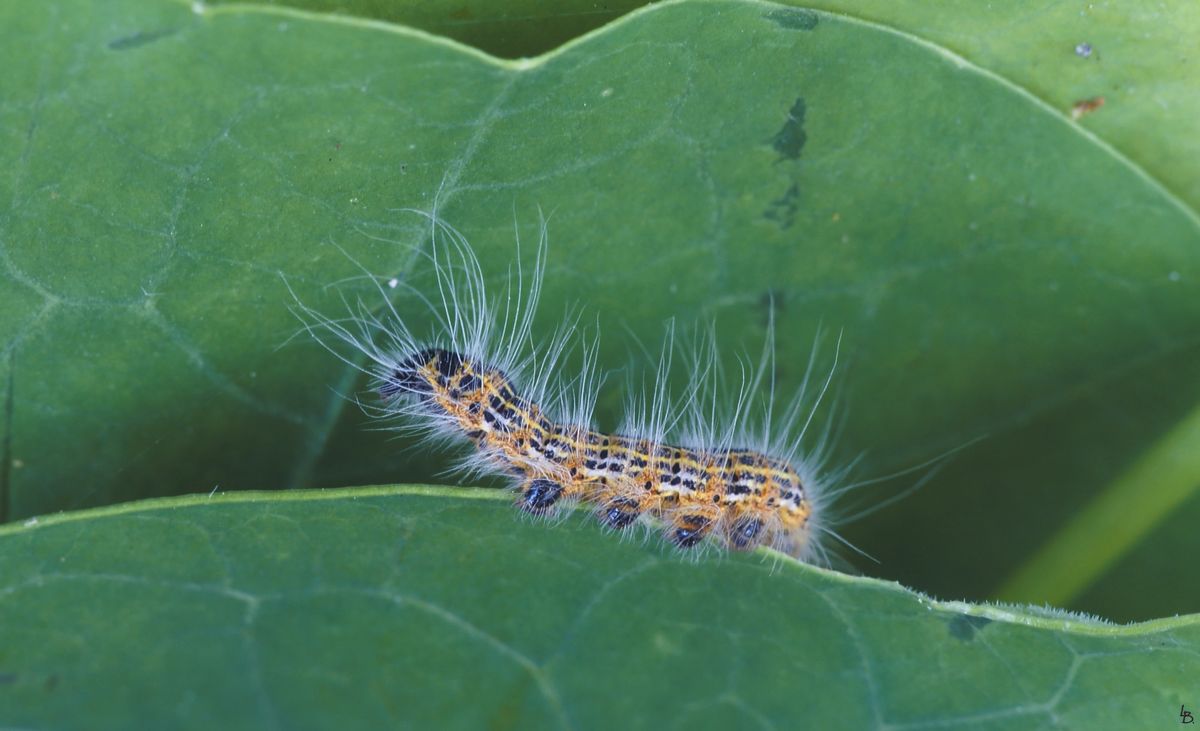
<point x="1137" y="58"/>
<point x="414" y="607"/>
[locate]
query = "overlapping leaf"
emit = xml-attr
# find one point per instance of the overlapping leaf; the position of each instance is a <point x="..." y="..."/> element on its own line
<point x="417" y="608"/>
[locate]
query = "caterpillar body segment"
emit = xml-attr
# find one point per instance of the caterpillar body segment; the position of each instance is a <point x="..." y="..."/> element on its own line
<point x="704" y="468"/>
<point x="740" y="497"/>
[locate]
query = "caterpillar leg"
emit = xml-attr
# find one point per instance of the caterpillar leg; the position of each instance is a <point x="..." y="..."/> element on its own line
<point x="618" y="507"/>
<point x="745" y="534"/>
<point x="539" y="495"/>
<point x="688" y="529"/>
<point x="619" y="513"/>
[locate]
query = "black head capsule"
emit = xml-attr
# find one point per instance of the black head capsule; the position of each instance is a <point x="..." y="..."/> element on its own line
<point x="406" y="378"/>
<point x="402" y="381"/>
<point x="540" y="495"/>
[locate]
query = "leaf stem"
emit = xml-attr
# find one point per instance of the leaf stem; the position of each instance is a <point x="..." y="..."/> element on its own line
<point x="1122" y="515"/>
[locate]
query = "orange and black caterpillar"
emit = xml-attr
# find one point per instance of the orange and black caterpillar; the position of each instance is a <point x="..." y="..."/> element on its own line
<point x="741" y="497"/>
<point x="705" y="466"/>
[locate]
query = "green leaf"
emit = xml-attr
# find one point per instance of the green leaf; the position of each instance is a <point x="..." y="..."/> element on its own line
<point x="416" y="607"/>
<point x="1064" y="54"/>
<point x="994" y="267"/>
<point x="1061" y="53"/>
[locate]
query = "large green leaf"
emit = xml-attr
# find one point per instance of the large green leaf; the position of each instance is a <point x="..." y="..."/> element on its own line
<point x="1062" y="53"/>
<point x="441" y="608"/>
<point x="995" y="267"/>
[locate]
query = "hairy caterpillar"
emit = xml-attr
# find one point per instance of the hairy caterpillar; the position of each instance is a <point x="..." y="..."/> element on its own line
<point x="707" y="472"/>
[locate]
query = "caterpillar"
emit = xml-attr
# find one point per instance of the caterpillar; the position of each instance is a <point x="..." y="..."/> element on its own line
<point x="699" y="469"/>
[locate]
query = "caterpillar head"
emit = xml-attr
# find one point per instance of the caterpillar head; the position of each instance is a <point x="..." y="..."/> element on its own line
<point x="423" y="372"/>
<point x="459" y="379"/>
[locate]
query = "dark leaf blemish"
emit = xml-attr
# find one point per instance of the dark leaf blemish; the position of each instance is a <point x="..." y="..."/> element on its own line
<point x="140" y="38"/>
<point x="783" y="209"/>
<point x="790" y="139"/>
<point x="788" y="142"/>
<point x="964" y="626"/>
<point x="793" y="18"/>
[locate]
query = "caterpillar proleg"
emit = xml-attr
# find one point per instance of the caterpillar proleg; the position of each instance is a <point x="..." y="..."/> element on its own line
<point x="703" y="467"/>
